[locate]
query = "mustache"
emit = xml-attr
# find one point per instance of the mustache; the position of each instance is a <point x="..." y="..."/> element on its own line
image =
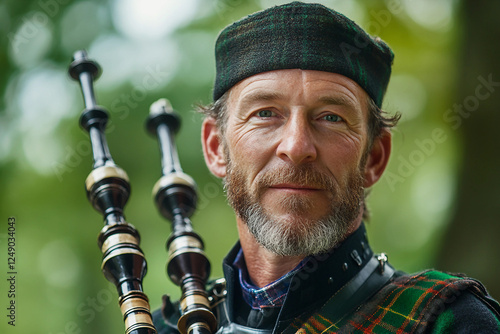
<point x="303" y="175"/>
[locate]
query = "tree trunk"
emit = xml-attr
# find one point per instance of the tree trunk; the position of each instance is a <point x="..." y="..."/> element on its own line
<point x="470" y="244"/>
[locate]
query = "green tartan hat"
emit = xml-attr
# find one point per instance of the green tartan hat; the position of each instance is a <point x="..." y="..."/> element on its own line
<point x="304" y="36"/>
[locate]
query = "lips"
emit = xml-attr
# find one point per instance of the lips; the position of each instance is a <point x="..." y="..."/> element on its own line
<point x="296" y="187"/>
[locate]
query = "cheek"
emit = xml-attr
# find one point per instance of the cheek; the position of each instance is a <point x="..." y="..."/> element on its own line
<point x="250" y="150"/>
<point x="343" y="159"/>
<point x="253" y="138"/>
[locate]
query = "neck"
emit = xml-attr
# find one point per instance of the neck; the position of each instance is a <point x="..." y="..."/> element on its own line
<point x="264" y="266"/>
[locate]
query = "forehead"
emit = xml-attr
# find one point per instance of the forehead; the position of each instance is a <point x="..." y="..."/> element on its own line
<point x="299" y="86"/>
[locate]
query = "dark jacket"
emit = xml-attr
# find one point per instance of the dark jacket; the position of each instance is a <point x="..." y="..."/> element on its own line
<point x="333" y="274"/>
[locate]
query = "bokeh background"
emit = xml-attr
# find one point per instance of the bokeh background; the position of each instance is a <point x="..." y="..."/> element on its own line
<point x="435" y="207"/>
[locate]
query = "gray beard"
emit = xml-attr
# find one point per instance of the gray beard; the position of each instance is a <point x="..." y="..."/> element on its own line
<point x="292" y="237"/>
<point x="306" y="239"/>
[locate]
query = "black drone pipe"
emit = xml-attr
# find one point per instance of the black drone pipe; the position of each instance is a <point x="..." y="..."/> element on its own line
<point x="175" y="197"/>
<point x="108" y="190"/>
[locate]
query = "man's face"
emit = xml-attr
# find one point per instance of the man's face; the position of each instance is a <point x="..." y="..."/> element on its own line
<point x="295" y="150"/>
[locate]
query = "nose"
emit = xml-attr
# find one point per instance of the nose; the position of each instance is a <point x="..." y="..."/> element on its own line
<point x="297" y="142"/>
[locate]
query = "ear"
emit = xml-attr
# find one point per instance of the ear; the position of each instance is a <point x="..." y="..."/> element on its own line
<point x="378" y="158"/>
<point x="212" y="148"/>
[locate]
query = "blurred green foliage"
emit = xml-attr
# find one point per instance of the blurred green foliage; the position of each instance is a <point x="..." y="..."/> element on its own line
<point x="45" y="156"/>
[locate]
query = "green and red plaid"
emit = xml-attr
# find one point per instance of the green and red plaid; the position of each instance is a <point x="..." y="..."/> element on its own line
<point x="408" y="304"/>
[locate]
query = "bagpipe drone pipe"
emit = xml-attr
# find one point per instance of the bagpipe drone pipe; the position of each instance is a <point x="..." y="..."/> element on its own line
<point x="108" y="189"/>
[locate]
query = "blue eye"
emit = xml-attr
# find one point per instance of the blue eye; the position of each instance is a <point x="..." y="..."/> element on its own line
<point x="265" y="113"/>
<point x="332" y="118"/>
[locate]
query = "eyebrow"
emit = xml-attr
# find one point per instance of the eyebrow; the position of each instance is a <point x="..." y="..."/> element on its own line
<point x="337" y="100"/>
<point x="260" y="96"/>
<point x="273" y="96"/>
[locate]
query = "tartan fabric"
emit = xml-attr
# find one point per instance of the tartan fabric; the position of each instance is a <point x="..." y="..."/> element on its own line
<point x="305" y="36"/>
<point x="408" y="304"/>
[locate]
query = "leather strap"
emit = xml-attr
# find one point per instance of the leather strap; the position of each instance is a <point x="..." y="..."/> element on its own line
<point x="366" y="283"/>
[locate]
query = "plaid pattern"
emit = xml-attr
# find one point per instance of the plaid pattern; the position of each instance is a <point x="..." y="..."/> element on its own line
<point x="272" y="295"/>
<point x="406" y="305"/>
<point x="305" y="36"/>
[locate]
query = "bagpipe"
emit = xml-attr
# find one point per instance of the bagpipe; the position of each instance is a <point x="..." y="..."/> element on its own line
<point x="108" y="189"/>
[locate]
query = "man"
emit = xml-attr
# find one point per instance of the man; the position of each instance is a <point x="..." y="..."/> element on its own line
<point x="297" y="134"/>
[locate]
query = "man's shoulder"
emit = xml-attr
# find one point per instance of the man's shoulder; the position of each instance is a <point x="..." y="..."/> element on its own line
<point x="446" y="287"/>
<point x="417" y="303"/>
<point x="435" y="290"/>
<point x="460" y="304"/>
<point x="468" y="314"/>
